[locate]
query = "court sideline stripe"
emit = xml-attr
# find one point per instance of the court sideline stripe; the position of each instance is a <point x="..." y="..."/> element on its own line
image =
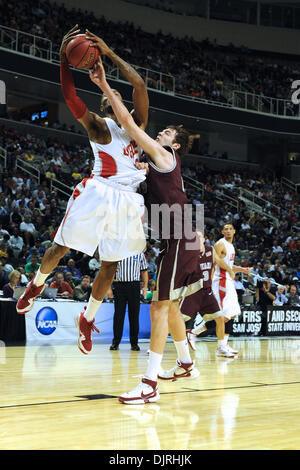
<point x="186" y="390"/>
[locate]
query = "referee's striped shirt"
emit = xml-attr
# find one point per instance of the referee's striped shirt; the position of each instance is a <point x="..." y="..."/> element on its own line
<point x="129" y="269"/>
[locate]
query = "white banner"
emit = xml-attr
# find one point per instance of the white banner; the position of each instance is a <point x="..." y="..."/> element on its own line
<point x="52" y="322"/>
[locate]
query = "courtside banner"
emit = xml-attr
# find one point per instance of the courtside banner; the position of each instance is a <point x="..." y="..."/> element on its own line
<point x="53" y="322"/>
<point x="283" y="321"/>
<point x="248" y="323"/>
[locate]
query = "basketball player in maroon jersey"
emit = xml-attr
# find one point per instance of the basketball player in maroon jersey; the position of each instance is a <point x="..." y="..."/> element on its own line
<point x="102" y="132"/>
<point x="177" y="273"/>
<point x="204" y="300"/>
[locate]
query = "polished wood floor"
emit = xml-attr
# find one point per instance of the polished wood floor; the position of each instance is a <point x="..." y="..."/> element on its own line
<point x="53" y="397"/>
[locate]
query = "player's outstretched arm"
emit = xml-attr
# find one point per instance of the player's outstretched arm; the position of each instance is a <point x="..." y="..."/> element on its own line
<point x="140" y="93"/>
<point x="74" y="103"/>
<point x="161" y="157"/>
<point x="222" y="265"/>
<point x="240" y="269"/>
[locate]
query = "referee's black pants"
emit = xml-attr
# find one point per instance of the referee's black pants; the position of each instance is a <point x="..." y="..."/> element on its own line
<point x="126" y="293"/>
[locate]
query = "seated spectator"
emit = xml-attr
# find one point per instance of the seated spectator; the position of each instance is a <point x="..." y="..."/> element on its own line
<point x="149" y="295"/>
<point x="83" y="291"/>
<point x="63" y="288"/>
<point x="33" y="265"/>
<point x="71" y="268"/>
<point x="281" y="298"/>
<point x="37" y="249"/>
<point x="76" y="175"/>
<point x="293" y="297"/>
<point x="3" y="276"/>
<point x="70" y="280"/>
<point x="28" y="230"/>
<point x="14" y="281"/>
<point x="50" y="173"/>
<point x="16" y="242"/>
<point x="239" y="287"/>
<point x="276" y="248"/>
<point x="24" y="279"/>
<point x="94" y="264"/>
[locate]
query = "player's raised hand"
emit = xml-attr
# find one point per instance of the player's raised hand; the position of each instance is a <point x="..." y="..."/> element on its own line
<point x="98" y="42"/>
<point x="66" y="39"/>
<point x="97" y="74"/>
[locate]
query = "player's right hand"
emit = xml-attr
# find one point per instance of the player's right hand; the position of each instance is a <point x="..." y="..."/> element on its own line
<point x="66" y="39"/>
<point x="98" y="42"/>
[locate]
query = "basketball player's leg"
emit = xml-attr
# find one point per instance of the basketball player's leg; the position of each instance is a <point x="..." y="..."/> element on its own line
<point x="49" y="262"/>
<point x="85" y="321"/>
<point x="147" y="390"/>
<point x="228" y="331"/>
<point x="185" y="366"/>
<point x="222" y="349"/>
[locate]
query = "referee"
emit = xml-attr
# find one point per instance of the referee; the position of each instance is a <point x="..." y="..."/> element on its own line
<point x="126" y="289"/>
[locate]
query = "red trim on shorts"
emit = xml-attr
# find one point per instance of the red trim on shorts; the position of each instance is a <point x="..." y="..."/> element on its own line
<point x="76" y="191"/>
<point x="65" y="216"/>
<point x="222" y="283"/>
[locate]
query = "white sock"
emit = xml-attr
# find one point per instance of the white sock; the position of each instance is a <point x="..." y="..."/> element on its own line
<point x="183" y="352"/>
<point x="153" y="366"/>
<point x="226" y="338"/>
<point x="40" y="278"/>
<point x="92" y="308"/>
<point x="222" y="343"/>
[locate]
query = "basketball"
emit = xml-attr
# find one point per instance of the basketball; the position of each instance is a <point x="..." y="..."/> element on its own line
<point x="81" y="54"/>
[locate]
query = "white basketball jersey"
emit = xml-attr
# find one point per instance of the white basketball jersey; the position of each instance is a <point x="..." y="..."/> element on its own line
<point x="115" y="161"/>
<point x="228" y="259"/>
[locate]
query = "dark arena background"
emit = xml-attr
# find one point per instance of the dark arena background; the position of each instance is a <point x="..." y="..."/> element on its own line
<point x="229" y="72"/>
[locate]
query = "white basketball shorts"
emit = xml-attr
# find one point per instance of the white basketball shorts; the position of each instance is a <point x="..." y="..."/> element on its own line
<point x="105" y="215"/>
<point x="225" y="293"/>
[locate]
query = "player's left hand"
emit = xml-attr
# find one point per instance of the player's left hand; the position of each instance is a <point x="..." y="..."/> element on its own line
<point x="97" y="74"/>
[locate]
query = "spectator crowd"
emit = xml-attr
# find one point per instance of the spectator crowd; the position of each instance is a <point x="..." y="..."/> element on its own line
<point x="200" y="68"/>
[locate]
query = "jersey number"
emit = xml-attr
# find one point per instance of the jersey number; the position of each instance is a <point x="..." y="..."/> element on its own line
<point x="206" y="275"/>
<point x="109" y="166"/>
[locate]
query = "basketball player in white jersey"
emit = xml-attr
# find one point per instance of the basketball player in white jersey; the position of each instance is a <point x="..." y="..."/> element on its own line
<point x="223" y="287"/>
<point x="104" y="210"/>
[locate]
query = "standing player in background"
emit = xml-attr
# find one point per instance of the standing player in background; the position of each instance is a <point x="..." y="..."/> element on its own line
<point x="204" y="300"/>
<point x="177" y="273"/>
<point x="223" y="285"/>
<point x="105" y="209"/>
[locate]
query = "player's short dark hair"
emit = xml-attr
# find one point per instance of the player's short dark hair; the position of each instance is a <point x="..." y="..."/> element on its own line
<point x="228" y="223"/>
<point x="182" y="137"/>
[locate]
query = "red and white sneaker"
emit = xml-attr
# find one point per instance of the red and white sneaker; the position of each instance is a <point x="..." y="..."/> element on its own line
<point x="181" y="370"/>
<point x="145" y="392"/>
<point x="85" y="329"/>
<point x="232" y="350"/>
<point x="223" y="351"/>
<point x="26" y="301"/>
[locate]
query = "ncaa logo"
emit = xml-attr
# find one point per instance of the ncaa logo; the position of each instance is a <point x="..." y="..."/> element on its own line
<point x="46" y="320"/>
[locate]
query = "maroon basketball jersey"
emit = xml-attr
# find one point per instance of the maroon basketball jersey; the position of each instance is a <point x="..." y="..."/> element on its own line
<point x="206" y="265"/>
<point x="165" y="190"/>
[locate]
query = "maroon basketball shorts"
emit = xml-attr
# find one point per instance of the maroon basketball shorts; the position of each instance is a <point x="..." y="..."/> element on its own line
<point x="203" y="302"/>
<point x="177" y="270"/>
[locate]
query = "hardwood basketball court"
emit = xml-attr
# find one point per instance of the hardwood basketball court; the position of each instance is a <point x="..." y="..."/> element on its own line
<point x="53" y="397"/>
